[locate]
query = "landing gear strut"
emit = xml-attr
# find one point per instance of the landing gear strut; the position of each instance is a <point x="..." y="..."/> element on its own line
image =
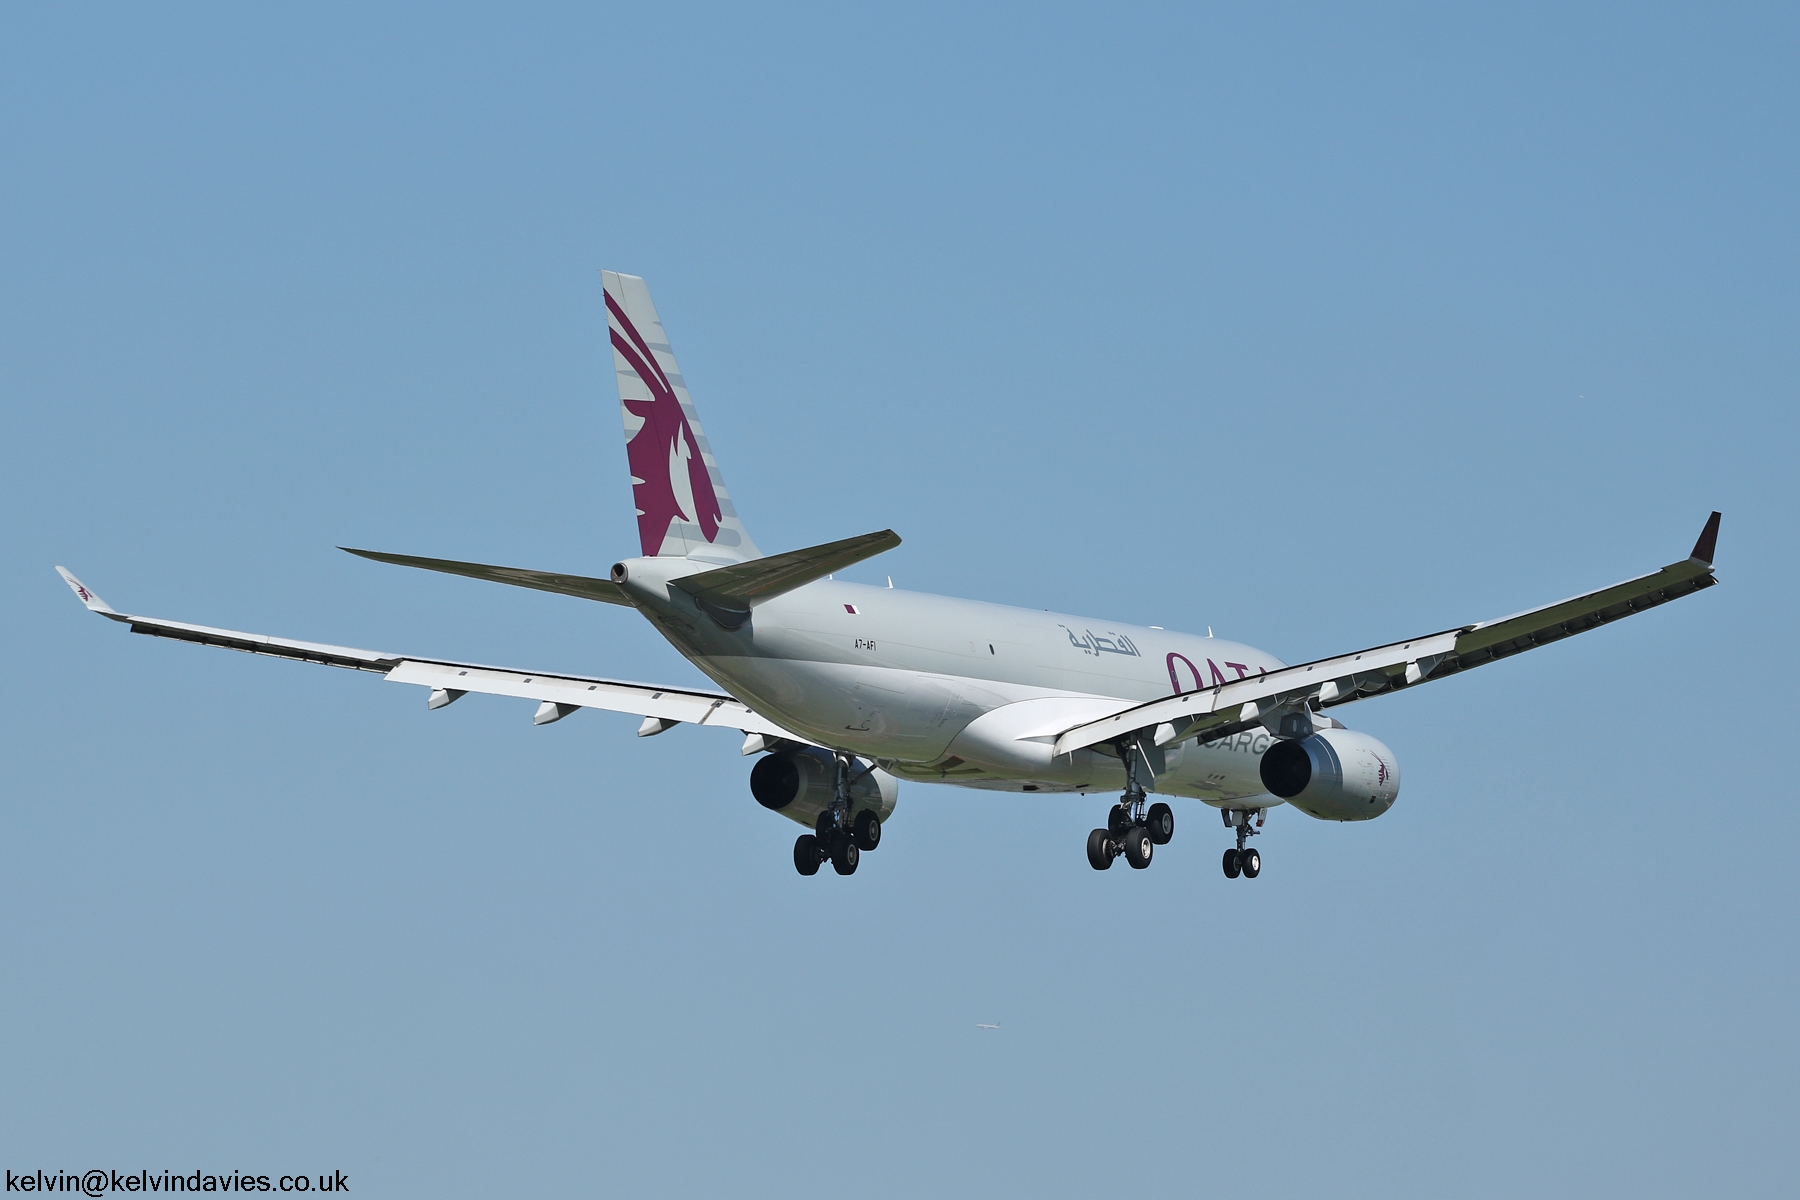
<point x="1134" y="828"/>
<point x="838" y="838"/>
<point x="1241" y="860"/>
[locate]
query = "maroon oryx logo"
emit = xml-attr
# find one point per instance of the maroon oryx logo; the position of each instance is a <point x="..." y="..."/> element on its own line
<point x="664" y="454"/>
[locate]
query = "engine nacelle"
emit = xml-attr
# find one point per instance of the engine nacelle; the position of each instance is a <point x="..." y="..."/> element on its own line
<point x="798" y="785"/>
<point x="1334" y="775"/>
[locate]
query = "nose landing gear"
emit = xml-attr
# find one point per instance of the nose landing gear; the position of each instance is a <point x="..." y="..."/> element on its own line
<point x="1242" y="861"/>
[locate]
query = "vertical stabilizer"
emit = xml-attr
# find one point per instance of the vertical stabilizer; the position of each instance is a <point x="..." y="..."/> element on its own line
<point x="682" y="505"/>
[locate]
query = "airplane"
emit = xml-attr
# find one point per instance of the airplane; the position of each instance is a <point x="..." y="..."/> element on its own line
<point x="844" y="690"/>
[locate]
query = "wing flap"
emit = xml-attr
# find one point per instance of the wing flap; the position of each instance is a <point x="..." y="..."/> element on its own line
<point x="671" y="704"/>
<point x="257" y="643"/>
<point x="1553" y="622"/>
<point x="1226" y="709"/>
<point x="232" y="639"/>
<point x="676" y="705"/>
<point x="1219" y="710"/>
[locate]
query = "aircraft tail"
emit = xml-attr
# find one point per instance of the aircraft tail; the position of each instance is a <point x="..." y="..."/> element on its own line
<point x="682" y="505"/>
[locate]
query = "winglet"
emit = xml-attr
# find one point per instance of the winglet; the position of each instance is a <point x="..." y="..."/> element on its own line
<point x="94" y="603"/>
<point x="1709" y="541"/>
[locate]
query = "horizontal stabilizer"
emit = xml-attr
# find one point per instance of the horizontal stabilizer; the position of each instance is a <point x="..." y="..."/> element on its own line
<point x="733" y="589"/>
<point x="603" y="590"/>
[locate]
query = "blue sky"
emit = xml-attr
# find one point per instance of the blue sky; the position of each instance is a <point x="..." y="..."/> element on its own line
<point x="1320" y="326"/>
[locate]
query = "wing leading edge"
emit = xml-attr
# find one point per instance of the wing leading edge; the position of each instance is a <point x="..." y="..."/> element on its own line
<point x="560" y="694"/>
<point x="1228" y="709"/>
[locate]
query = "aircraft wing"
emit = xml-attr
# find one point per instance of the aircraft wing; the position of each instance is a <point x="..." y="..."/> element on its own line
<point x="1262" y="700"/>
<point x="663" y="707"/>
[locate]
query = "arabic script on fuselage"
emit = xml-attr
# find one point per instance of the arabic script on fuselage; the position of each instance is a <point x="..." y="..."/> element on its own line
<point x="1096" y="644"/>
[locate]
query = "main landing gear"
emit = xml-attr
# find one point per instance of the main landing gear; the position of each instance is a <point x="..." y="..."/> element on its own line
<point x="1242" y="860"/>
<point x="838" y="838"/>
<point x="1133" y="828"/>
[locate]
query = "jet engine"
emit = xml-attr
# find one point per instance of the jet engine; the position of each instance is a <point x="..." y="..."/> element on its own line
<point x="798" y="785"/>
<point x="1334" y="775"/>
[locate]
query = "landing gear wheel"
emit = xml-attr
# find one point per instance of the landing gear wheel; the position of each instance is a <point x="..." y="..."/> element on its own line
<point x="1234" y="863"/>
<point x="1251" y="862"/>
<point x="867" y="830"/>
<point x="806" y="854"/>
<point x="1160" y="821"/>
<point x="844" y="855"/>
<point x="1138" y="847"/>
<point x="1118" y="821"/>
<point x="1100" y="850"/>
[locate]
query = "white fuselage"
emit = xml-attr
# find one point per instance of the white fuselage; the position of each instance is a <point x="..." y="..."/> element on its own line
<point x="958" y="691"/>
